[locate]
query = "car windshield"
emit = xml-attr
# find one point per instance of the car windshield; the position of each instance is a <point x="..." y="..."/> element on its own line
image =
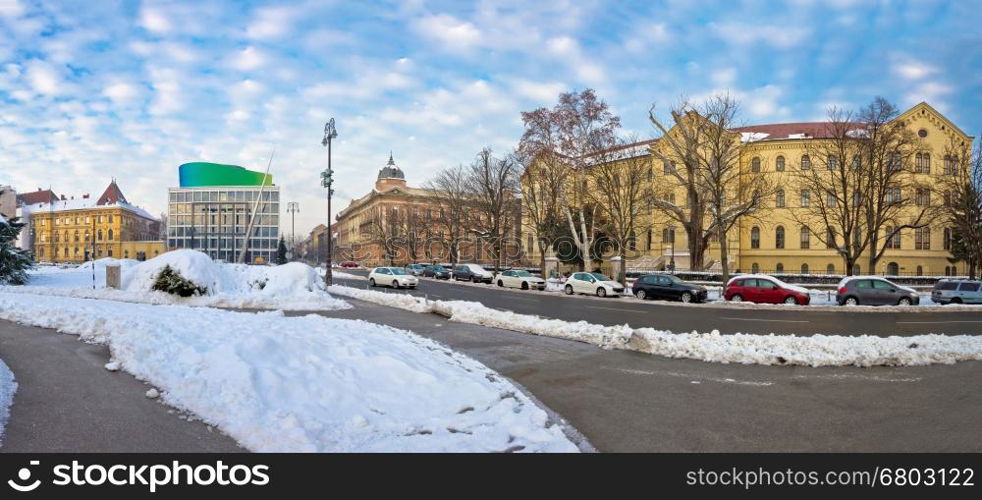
<point x="521" y="274"/>
<point x="437" y="268"/>
<point x="398" y="271"/>
<point x="599" y="276"/>
<point x="674" y="279"/>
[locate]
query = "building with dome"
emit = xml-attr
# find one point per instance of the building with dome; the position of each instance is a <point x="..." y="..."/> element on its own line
<point x="395" y="224"/>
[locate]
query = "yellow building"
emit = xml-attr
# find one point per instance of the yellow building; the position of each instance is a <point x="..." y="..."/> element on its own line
<point x="775" y="240"/>
<point x="77" y="230"/>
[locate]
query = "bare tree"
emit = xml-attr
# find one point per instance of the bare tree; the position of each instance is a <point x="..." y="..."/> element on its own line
<point x="579" y="126"/>
<point x="451" y="194"/>
<point x="384" y="228"/>
<point x="962" y="208"/>
<point x="493" y="186"/>
<point x="541" y="185"/>
<point x="413" y="233"/>
<point x="701" y="155"/>
<point x="620" y="176"/>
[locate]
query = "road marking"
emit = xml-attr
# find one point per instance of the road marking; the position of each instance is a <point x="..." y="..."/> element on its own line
<point x="940" y="321"/>
<point x="768" y="320"/>
<point x="846" y="376"/>
<point x="698" y="378"/>
<point x="615" y="309"/>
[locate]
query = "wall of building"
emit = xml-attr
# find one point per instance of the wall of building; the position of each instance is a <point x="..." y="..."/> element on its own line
<point x="85" y="234"/>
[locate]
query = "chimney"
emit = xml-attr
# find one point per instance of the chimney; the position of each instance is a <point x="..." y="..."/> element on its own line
<point x="62" y="197"/>
<point x="85" y="196"/>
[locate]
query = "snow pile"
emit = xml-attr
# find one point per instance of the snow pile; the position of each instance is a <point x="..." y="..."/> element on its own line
<point x="305" y="384"/>
<point x="293" y="286"/>
<point x="7" y="389"/>
<point x="815" y="350"/>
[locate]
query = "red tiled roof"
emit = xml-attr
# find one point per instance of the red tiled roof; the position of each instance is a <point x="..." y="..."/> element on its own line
<point x="817" y="130"/>
<point x="112" y="195"/>
<point x="36" y="197"/>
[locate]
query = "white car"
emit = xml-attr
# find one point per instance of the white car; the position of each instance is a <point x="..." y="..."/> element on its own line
<point x="396" y="277"/>
<point x="517" y="278"/>
<point x="592" y="284"/>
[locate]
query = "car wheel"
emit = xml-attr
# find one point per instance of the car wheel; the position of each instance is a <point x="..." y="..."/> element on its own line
<point x="395" y="284"/>
<point x="371" y="281"/>
<point x="641" y="294"/>
<point x="525" y="285"/>
<point x="568" y="289"/>
<point x="473" y="279"/>
<point x="790" y="300"/>
<point x="501" y="283"/>
<point x="601" y="292"/>
<point x="905" y="301"/>
<point x="736" y="298"/>
<point x="852" y="301"/>
<point x="956" y="300"/>
<point x="686" y="297"/>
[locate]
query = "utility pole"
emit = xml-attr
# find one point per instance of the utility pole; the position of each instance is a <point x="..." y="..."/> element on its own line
<point x="293" y="207"/>
<point x="327" y="181"/>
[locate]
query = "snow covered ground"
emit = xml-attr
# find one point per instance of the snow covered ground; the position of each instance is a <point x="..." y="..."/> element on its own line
<point x="293" y="286"/>
<point x="815" y="350"/>
<point x="280" y="384"/>
<point x="7" y="389"/>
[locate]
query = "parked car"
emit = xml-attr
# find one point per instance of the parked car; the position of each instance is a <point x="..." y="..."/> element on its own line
<point x="396" y="277"/>
<point x="873" y="291"/>
<point x="438" y="272"/>
<point x="415" y="269"/>
<point x="349" y="263"/>
<point x="667" y="286"/>
<point x="518" y="278"/>
<point x="593" y="284"/>
<point x="957" y="292"/>
<point x="473" y="273"/>
<point x="764" y="289"/>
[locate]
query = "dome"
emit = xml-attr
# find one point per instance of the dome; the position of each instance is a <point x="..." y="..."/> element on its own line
<point x="391" y="171"/>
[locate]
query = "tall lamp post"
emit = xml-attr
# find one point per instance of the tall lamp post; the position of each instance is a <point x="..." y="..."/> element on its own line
<point x="293" y="207"/>
<point x="327" y="180"/>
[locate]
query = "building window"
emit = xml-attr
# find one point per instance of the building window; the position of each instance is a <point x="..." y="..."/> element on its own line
<point x="893" y="238"/>
<point x="668" y="167"/>
<point x="856" y="162"/>
<point x="648" y="241"/>
<point x="922" y="238"/>
<point x="806" y="198"/>
<point x="923" y="198"/>
<point x="894" y="161"/>
<point x="755" y="237"/>
<point x="832" y="162"/>
<point x="949" y="165"/>
<point x="894" y="195"/>
<point x="923" y="163"/>
<point x="806" y="162"/>
<point x="830" y="269"/>
<point x="755" y="164"/>
<point x="110" y="235"/>
<point x="893" y="269"/>
<point x="779" y="269"/>
<point x="806" y="238"/>
<point x="779" y="198"/>
<point x="755" y="268"/>
<point x="668" y="235"/>
<point x="779" y="237"/>
<point x="804" y="269"/>
<point x="779" y="164"/>
<point x="920" y="271"/>
<point x="947" y="238"/>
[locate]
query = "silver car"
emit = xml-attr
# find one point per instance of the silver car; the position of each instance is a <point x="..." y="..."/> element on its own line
<point x="957" y="292"/>
<point x="874" y="291"/>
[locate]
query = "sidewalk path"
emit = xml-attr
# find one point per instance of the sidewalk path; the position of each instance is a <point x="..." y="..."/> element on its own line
<point x="66" y="401"/>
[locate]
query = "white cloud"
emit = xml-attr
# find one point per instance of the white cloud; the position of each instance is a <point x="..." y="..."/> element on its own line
<point x="913" y="70"/>
<point x="271" y="22"/>
<point x="44" y="78"/>
<point x="154" y="20"/>
<point x="121" y="92"/>
<point x="453" y="33"/>
<point x="11" y="8"/>
<point x="542" y="92"/>
<point x="567" y="49"/>
<point x="248" y="59"/>
<point x="782" y="37"/>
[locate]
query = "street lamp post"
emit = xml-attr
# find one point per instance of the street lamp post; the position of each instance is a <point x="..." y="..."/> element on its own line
<point x="293" y="207"/>
<point x="327" y="181"/>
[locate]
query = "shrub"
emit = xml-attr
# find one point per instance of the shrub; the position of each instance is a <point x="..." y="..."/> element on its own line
<point x="171" y="281"/>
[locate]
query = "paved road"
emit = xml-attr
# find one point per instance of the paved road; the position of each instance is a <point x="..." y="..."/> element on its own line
<point x="678" y="317"/>
<point x="66" y="401"/>
<point x="626" y="401"/>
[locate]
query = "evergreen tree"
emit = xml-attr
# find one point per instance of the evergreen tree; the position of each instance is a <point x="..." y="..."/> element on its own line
<point x="281" y="252"/>
<point x="14" y="262"/>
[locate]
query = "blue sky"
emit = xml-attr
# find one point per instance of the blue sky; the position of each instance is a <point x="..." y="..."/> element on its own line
<point x="96" y="89"/>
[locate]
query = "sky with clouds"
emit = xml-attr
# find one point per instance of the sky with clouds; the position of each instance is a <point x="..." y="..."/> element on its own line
<point x="99" y="89"/>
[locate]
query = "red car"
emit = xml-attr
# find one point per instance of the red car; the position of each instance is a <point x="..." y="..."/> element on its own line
<point x="764" y="289"/>
<point x="348" y="263"/>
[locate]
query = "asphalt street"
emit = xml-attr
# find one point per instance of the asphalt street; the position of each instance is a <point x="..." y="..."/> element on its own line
<point x="678" y="317"/>
<point x="625" y="401"/>
<point x="66" y="401"/>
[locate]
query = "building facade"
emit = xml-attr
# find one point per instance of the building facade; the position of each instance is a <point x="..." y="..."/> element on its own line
<point x="775" y="240"/>
<point x="26" y="204"/>
<point x="213" y="208"/>
<point x="8" y="202"/>
<point x="78" y="230"/>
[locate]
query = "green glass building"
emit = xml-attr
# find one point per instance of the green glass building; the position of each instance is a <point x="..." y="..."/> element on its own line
<point x="210" y="212"/>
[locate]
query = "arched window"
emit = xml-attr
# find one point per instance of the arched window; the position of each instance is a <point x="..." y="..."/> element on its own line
<point x="922" y="238"/>
<point x="949" y="165"/>
<point x="806" y="162"/>
<point x="779" y="198"/>
<point x="832" y="163"/>
<point x="110" y="235"/>
<point x="99" y="235"/>
<point x="947" y="238"/>
<point x="947" y="270"/>
<point x="755" y="164"/>
<point x="857" y="269"/>
<point x="954" y="270"/>
<point x="648" y="241"/>
<point x="755" y="237"/>
<point x="806" y="198"/>
<point x="804" y="269"/>
<point x="779" y="164"/>
<point x="830" y="269"/>
<point x="779" y="269"/>
<point x="76" y="236"/>
<point x="856" y="162"/>
<point x="755" y="268"/>
<point x="923" y="163"/>
<point x="779" y="237"/>
<point x="920" y="271"/>
<point x="893" y="269"/>
<point x="806" y="238"/>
